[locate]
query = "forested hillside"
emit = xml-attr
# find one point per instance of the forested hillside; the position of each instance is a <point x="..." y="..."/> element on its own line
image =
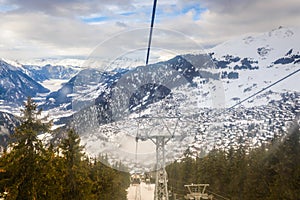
<point x="266" y="173"/>
<point x="32" y="169"/>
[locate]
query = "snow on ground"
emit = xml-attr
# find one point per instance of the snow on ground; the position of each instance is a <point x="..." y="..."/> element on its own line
<point x="265" y="49"/>
<point x="142" y="191"/>
<point x="53" y="84"/>
<point x="252" y="81"/>
<point x="276" y="43"/>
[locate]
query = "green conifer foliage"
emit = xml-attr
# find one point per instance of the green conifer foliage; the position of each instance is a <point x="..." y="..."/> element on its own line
<point x="269" y="172"/>
<point x="23" y="162"/>
<point x="77" y="184"/>
<point x="31" y="169"/>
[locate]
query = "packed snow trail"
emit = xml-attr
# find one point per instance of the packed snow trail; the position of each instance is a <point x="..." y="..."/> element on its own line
<point x="142" y="191"/>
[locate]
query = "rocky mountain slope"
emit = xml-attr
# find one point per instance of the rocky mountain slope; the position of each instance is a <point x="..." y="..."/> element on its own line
<point x="16" y="86"/>
<point x="7" y="124"/>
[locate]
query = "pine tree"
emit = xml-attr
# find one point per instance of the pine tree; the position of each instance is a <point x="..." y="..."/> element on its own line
<point x="33" y="170"/>
<point x="287" y="167"/>
<point x="236" y="167"/>
<point x="52" y="173"/>
<point x="258" y="174"/>
<point x="108" y="183"/>
<point x="77" y="185"/>
<point x="22" y="163"/>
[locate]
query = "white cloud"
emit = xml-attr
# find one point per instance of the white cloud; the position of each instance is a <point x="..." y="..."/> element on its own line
<point x="34" y="28"/>
<point x="225" y="19"/>
<point x="40" y="35"/>
<point x="69" y="8"/>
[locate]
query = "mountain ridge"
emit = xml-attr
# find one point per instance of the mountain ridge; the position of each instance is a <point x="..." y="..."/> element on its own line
<point x="16" y="86"/>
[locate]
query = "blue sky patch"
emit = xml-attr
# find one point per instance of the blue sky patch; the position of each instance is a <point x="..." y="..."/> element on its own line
<point x="95" y="19"/>
<point x="197" y="8"/>
<point x="7" y="8"/>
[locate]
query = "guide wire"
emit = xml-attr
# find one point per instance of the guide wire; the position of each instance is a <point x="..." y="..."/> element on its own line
<point x="264" y="89"/>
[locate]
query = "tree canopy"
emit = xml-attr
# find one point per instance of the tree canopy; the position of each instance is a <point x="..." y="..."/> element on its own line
<point x="33" y="170"/>
<point x="271" y="171"/>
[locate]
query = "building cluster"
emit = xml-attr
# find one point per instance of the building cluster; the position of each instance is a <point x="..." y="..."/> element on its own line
<point x="247" y="126"/>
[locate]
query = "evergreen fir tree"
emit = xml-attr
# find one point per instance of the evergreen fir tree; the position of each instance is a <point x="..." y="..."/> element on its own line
<point x="22" y="163"/>
<point x="287" y="167"/>
<point x="77" y="185"/>
<point x="31" y="170"/>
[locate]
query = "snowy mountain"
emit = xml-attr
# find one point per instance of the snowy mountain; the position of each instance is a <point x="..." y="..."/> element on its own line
<point x="104" y="103"/>
<point x="243" y="66"/>
<point x="83" y="88"/>
<point x="238" y="69"/>
<point x="265" y="48"/>
<point x="46" y="72"/>
<point x="16" y="86"/>
<point x="251" y="63"/>
<point x="7" y="124"/>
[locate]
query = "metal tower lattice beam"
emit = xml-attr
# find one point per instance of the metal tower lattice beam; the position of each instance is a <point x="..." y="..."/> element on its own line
<point x="161" y="182"/>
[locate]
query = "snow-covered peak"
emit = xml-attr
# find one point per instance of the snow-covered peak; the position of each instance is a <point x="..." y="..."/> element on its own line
<point x="11" y="62"/>
<point x="264" y="47"/>
<point x="9" y="65"/>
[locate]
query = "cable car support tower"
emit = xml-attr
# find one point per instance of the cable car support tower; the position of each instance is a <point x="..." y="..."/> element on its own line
<point x="160" y="141"/>
<point x="161" y="181"/>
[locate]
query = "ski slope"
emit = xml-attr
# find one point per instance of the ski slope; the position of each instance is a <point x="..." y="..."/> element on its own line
<point x="142" y="191"/>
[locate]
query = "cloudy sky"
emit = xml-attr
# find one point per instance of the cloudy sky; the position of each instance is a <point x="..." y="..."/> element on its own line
<point x="65" y="28"/>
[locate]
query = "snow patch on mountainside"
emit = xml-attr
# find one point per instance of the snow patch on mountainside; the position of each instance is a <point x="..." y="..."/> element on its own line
<point x="269" y="56"/>
<point x="264" y="47"/>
